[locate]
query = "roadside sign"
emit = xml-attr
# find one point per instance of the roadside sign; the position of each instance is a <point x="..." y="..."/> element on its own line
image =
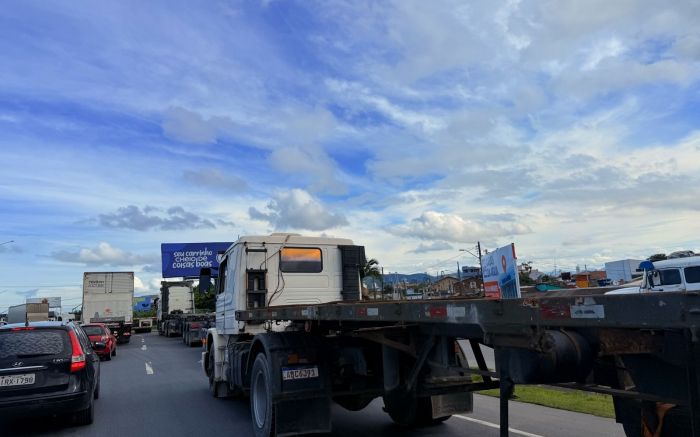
<point x="186" y="260"/>
<point x="500" y="272"/>
<point x="54" y="302"/>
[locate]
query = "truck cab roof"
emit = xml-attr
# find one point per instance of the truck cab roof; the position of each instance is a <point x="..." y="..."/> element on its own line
<point x="284" y="238"/>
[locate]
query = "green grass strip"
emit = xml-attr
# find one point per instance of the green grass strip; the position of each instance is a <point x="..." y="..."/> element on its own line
<point x="571" y="400"/>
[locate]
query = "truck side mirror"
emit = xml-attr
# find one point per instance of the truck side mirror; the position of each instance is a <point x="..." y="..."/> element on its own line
<point x="204" y="280"/>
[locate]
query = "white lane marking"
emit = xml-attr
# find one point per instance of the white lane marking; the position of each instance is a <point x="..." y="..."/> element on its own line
<point x="495" y="425"/>
<point x="149" y="369"/>
<point x="143" y="340"/>
<point x="143" y="348"/>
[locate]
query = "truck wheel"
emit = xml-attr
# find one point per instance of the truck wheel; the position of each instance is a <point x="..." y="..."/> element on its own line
<point x="261" y="398"/>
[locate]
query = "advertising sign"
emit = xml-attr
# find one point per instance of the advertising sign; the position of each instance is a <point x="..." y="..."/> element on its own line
<point x="186" y="260"/>
<point x="501" y="273"/>
<point x="54" y="302"/>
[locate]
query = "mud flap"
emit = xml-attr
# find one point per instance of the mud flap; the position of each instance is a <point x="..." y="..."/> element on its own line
<point x="293" y="417"/>
<point x="452" y="403"/>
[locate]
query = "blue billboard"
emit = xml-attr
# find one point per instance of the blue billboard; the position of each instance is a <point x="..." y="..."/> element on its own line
<point x="188" y="259"/>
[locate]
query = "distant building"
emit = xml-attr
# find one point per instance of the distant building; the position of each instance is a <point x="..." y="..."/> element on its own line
<point x="468" y="286"/>
<point x="445" y="284"/>
<point x="622" y="270"/>
<point x="586" y="279"/>
<point x="469" y="272"/>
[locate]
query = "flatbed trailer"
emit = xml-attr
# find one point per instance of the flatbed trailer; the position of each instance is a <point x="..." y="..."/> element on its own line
<point x="644" y="350"/>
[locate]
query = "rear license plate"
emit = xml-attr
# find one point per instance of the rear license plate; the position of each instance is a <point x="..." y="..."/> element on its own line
<point x="12" y="380"/>
<point x="299" y="373"/>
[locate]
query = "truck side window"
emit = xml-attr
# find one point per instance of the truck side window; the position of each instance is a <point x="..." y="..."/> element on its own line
<point x="692" y="274"/>
<point x="222" y="277"/>
<point x="301" y="260"/>
<point x="670" y="277"/>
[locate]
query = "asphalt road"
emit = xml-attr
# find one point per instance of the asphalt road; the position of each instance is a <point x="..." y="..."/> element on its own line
<point x="155" y="387"/>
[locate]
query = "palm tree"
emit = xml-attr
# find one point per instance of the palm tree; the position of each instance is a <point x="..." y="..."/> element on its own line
<point x="370" y="269"/>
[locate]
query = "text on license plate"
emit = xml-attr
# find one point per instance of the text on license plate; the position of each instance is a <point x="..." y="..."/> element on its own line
<point x="11" y="380"/>
<point x="299" y="373"/>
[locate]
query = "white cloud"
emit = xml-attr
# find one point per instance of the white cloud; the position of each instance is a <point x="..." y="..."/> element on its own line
<point x="432" y="225"/>
<point x="103" y="254"/>
<point x="191" y="127"/>
<point x="216" y="179"/>
<point x="310" y="165"/>
<point x="605" y="49"/>
<point x="297" y="209"/>
<point x="433" y="247"/>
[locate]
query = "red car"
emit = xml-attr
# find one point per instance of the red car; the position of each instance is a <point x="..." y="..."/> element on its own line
<point x="99" y="332"/>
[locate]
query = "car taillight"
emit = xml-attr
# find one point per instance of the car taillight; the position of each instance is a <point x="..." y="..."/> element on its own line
<point x="194" y="326"/>
<point x="24" y="328"/>
<point x="77" y="359"/>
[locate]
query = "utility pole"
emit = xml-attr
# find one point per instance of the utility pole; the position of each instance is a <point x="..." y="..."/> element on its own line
<point x="478" y="250"/>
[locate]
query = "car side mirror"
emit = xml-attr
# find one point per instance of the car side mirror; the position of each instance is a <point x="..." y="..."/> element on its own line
<point x="99" y="346"/>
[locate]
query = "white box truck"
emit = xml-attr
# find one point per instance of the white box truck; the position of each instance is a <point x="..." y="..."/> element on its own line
<point x="108" y="298"/>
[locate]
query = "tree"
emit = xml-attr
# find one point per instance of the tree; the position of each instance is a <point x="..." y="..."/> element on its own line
<point x="205" y="301"/>
<point x="371" y="268"/>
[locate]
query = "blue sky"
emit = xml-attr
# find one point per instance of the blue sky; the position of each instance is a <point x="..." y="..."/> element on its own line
<point x="415" y="128"/>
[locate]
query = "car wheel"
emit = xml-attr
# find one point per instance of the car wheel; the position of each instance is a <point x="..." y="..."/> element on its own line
<point x="87" y="416"/>
<point x="96" y="395"/>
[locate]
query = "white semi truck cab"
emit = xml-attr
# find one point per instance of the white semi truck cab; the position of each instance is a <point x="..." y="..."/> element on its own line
<point x="284" y="269"/>
<point x="671" y="275"/>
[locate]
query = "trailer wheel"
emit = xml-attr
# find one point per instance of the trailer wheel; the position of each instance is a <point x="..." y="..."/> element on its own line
<point x="261" y="398"/>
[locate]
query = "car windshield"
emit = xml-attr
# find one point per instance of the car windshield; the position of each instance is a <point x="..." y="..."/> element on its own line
<point x="93" y="330"/>
<point x="19" y="344"/>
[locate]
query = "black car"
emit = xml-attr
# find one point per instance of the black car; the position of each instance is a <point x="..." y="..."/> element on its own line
<point x="46" y="369"/>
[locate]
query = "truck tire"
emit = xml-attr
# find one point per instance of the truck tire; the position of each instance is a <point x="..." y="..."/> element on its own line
<point x="261" y="408"/>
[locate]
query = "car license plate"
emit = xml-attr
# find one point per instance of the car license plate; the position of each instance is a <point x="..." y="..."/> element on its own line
<point x="299" y="373"/>
<point x="12" y="380"/>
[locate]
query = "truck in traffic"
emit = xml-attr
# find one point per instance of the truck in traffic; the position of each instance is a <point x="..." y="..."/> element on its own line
<point x="108" y="298"/>
<point x="143" y="324"/>
<point x="292" y="329"/>
<point x="176" y="314"/>
<point x="671" y="275"/>
<point x="28" y="312"/>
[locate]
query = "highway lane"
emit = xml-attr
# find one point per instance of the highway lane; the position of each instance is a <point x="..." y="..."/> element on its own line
<point x="155" y="387"/>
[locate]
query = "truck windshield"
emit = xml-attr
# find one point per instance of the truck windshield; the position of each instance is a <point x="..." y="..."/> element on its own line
<point x="665" y="277"/>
